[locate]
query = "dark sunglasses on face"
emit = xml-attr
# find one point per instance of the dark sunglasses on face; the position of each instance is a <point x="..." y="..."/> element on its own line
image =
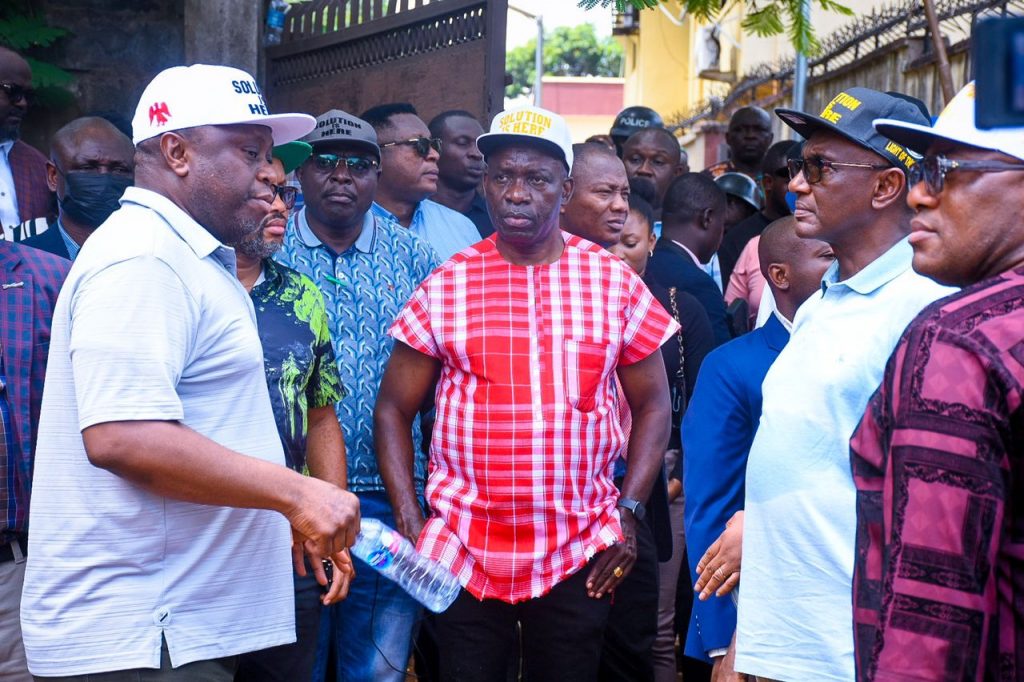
<point x="814" y="167"/>
<point x="16" y="93"/>
<point x="782" y="173"/>
<point x="932" y="170"/>
<point x="287" y="194"/>
<point x="358" y="166"/>
<point x="422" y="145"/>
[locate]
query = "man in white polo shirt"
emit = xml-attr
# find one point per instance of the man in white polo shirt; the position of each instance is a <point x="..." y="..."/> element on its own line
<point x="155" y="542"/>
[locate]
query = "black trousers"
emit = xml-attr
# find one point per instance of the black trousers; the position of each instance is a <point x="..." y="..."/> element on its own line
<point x="633" y="621"/>
<point x="561" y="635"/>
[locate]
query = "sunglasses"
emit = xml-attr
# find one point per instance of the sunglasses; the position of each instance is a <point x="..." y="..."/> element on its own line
<point x="814" y="167"/>
<point x="18" y="93"/>
<point x="422" y="145"/>
<point x="358" y="166"/>
<point x="932" y="170"/>
<point x="287" y="193"/>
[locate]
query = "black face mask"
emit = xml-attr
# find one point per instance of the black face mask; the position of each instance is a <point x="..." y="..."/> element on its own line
<point x="90" y="198"/>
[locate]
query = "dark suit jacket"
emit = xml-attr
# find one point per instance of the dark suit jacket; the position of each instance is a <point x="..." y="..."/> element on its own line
<point x="28" y="167"/>
<point x="671" y="266"/>
<point x="50" y="241"/>
<point x="718" y="431"/>
<point x="29" y="283"/>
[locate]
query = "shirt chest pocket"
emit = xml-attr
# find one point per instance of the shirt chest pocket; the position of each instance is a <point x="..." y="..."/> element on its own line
<point x="584" y="366"/>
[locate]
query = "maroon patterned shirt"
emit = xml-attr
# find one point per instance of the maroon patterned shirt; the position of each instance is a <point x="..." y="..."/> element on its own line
<point x="937" y="460"/>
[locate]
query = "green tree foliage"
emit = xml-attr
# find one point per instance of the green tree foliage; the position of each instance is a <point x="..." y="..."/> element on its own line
<point x="763" y="17"/>
<point x="24" y="31"/>
<point x="568" y="51"/>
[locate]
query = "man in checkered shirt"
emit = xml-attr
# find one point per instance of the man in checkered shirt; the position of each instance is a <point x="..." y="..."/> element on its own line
<point x="528" y="335"/>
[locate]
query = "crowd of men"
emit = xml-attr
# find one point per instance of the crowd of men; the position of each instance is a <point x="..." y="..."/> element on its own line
<point x="590" y="383"/>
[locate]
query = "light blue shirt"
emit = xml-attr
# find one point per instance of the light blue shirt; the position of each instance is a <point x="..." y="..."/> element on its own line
<point x="69" y="243"/>
<point x="447" y="231"/>
<point x="364" y="289"/>
<point x="795" y="615"/>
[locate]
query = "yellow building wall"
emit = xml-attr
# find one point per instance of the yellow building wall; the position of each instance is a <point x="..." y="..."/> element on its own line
<point x="660" y="64"/>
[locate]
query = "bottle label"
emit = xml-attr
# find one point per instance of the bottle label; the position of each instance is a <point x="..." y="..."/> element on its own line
<point x="275" y="18"/>
<point x="383" y="556"/>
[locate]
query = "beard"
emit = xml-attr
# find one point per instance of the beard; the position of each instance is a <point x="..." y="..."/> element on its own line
<point x="256" y="247"/>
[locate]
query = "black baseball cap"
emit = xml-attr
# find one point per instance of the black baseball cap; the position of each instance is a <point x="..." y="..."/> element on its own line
<point x="851" y="114"/>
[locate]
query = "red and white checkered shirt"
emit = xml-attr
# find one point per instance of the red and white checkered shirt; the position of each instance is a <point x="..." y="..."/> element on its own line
<point x="528" y="425"/>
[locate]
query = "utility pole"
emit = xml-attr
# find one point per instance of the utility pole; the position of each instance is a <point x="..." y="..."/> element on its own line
<point x="945" y="77"/>
<point x="538" y="56"/>
<point x="800" y="69"/>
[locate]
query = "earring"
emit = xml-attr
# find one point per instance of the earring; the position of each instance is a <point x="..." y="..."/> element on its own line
<point x="650" y="254"/>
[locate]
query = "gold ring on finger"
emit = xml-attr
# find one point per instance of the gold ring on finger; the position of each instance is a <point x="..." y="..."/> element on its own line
<point x="617" y="572"/>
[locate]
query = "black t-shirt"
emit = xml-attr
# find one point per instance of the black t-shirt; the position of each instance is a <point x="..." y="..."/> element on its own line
<point x="734" y="241"/>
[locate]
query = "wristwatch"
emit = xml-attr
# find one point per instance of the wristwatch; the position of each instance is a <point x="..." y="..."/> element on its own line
<point x="635" y="506"/>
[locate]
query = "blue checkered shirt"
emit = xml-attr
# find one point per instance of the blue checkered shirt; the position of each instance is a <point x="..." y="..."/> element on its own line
<point x="364" y="289"/>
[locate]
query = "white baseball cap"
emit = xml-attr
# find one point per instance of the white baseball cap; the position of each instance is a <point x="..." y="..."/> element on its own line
<point x="204" y="94"/>
<point x="529" y="123"/>
<point x="955" y="124"/>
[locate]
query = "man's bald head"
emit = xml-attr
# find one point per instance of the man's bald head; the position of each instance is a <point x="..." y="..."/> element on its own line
<point x="792" y="267"/>
<point x="90" y="128"/>
<point x="588" y="156"/>
<point x="14" y="98"/>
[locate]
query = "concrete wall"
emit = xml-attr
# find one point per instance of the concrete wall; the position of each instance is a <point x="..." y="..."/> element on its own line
<point x="114" y="48"/>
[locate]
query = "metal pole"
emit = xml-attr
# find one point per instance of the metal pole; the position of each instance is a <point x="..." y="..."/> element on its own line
<point x="538" y="63"/>
<point x="945" y="77"/>
<point x="800" y="70"/>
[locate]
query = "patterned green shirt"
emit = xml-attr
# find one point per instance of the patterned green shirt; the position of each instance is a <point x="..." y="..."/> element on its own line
<point x="297" y="354"/>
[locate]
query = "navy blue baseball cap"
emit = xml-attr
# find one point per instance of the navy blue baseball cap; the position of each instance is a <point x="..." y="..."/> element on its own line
<point x="851" y="114"/>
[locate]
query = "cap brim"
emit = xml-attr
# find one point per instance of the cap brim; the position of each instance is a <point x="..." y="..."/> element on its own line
<point x="348" y="142"/>
<point x="913" y="136"/>
<point x="287" y="127"/>
<point x="806" y="125"/>
<point x="488" y="142"/>
<point x="292" y="154"/>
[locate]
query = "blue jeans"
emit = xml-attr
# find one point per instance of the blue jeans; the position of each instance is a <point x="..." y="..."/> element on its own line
<point x="372" y="630"/>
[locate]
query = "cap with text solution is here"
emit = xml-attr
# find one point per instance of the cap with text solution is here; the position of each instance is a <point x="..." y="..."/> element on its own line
<point x="337" y="126"/>
<point x="529" y="123"/>
<point x="955" y="124"/>
<point x="851" y="114"/>
<point x="203" y="95"/>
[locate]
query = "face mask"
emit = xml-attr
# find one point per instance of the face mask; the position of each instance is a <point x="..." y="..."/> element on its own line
<point x="791" y="201"/>
<point x="90" y="198"/>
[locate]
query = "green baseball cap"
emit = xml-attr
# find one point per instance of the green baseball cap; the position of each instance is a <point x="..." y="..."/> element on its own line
<point x="292" y="154"/>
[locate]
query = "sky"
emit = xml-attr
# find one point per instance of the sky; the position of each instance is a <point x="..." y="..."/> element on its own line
<point x="556" y="13"/>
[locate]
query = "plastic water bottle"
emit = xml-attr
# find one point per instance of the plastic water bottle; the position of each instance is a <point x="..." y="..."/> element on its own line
<point x="394" y="557"/>
<point x="275" y="21"/>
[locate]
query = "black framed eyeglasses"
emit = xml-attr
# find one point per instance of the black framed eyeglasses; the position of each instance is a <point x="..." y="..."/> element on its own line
<point x="814" y="167"/>
<point x="932" y="170"/>
<point x="358" y="166"/>
<point x="287" y="193"/>
<point x="17" y="93"/>
<point x="422" y="145"/>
